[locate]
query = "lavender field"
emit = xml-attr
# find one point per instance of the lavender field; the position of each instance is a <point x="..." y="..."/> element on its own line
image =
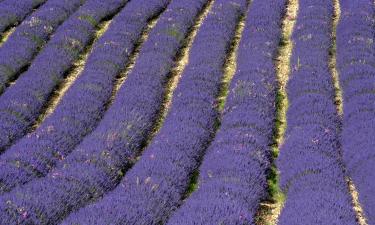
<point x="191" y="112"/>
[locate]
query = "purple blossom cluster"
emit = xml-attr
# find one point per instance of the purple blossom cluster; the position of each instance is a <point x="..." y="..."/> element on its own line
<point x="21" y="103"/>
<point x="14" y="11"/>
<point x="311" y="173"/>
<point x="152" y="189"/>
<point x="356" y="65"/>
<point x="82" y="106"/>
<point x="97" y="164"/>
<point x="233" y="176"/>
<point x="84" y="163"/>
<point x="30" y="36"/>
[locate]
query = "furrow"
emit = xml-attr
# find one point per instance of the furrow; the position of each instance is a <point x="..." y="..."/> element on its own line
<point x="270" y="208"/>
<point x="361" y="218"/>
<point x="6" y="35"/>
<point x="230" y="64"/>
<point x="132" y="60"/>
<point x="333" y="59"/>
<point x="182" y="60"/>
<point x="229" y="69"/>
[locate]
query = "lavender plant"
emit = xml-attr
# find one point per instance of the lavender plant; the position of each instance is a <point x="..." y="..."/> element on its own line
<point x="84" y="163"/>
<point x="14" y="11"/>
<point x="155" y="185"/>
<point x="233" y="177"/>
<point x="311" y="173"/>
<point x="21" y="104"/>
<point x="30" y="37"/>
<point x="356" y="65"/>
<point x="83" y="105"/>
<point x="97" y="164"/>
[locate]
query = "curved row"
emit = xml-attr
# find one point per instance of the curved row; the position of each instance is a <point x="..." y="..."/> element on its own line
<point x="82" y="106"/>
<point x="233" y="176"/>
<point x="28" y="38"/>
<point x="97" y="164"/>
<point x="151" y="190"/>
<point x="356" y="64"/>
<point x="309" y="158"/>
<point x="14" y="11"/>
<point x="21" y="104"/>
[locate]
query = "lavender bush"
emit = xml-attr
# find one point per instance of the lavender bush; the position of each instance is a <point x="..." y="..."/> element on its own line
<point x="356" y="65"/>
<point x="100" y="157"/>
<point x="309" y="159"/>
<point x="21" y="104"/>
<point x="82" y="106"/>
<point x="97" y="164"/>
<point x="233" y="173"/>
<point x="14" y="11"/>
<point x="155" y="185"/>
<point x="30" y="36"/>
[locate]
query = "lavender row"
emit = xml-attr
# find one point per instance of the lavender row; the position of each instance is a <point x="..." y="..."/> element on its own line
<point x="97" y="164"/>
<point x="233" y="176"/>
<point x="14" y="11"/>
<point x="21" y="104"/>
<point x="30" y="36"/>
<point x="309" y="158"/>
<point x="151" y="190"/>
<point x="356" y="65"/>
<point x="82" y="106"/>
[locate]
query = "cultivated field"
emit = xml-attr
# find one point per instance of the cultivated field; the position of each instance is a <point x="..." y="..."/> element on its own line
<point x="191" y="112"/>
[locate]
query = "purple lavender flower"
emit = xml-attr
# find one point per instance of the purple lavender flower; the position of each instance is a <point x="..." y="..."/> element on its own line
<point x="14" y="11"/>
<point x="356" y="65"/>
<point x="309" y="164"/>
<point x="95" y="166"/>
<point x="155" y="185"/>
<point x="29" y="37"/>
<point x="21" y="104"/>
<point x="233" y="173"/>
<point x="82" y="106"/>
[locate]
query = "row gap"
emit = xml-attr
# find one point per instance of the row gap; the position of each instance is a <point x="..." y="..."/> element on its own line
<point x="270" y="208"/>
<point x="120" y="79"/>
<point x="6" y="34"/>
<point x="181" y="61"/>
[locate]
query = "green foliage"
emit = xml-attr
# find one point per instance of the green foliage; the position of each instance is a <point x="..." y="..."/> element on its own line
<point x="174" y="32"/>
<point x="88" y="18"/>
<point x="193" y="185"/>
